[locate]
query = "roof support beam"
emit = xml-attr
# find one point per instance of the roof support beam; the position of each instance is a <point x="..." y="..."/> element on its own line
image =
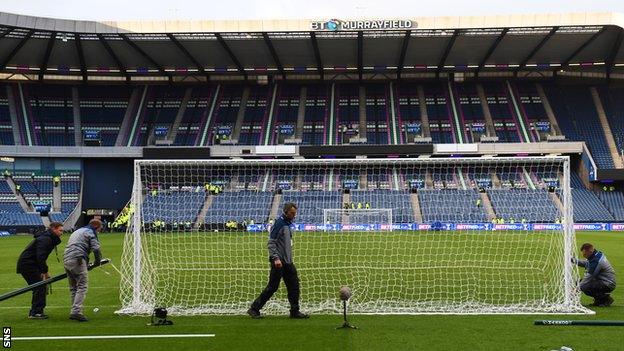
<point x="317" y="55"/>
<point x="566" y="62"/>
<point x="447" y="50"/>
<point x="230" y="53"/>
<point x="143" y="53"/>
<point x="43" y="67"/>
<point x="276" y="59"/>
<point x="186" y="53"/>
<point x="491" y="50"/>
<point x="610" y="64"/>
<point x="402" y="53"/>
<point x="120" y="66"/>
<point x="537" y="48"/>
<point x="360" y="58"/>
<point x="16" y="49"/>
<point x="83" y="65"/>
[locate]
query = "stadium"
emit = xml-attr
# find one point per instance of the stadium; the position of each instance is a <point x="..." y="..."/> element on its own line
<point x="446" y="169"/>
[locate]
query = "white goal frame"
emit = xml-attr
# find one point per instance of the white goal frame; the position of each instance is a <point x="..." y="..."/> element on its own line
<point x="137" y="298"/>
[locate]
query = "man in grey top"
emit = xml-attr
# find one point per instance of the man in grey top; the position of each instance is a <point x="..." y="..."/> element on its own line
<point x="599" y="279"/>
<point x="76" y="259"/>
<point x="282" y="266"/>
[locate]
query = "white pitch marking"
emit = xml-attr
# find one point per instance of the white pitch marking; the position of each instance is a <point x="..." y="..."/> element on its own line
<point x="92" y="337"/>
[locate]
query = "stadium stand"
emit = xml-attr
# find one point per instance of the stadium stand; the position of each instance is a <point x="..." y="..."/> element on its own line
<point x="433" y="103"/>
<point x="164" y="206"/>
<point x="614" y="201"/>
<point x="6" y="129"/>
<point x="450" y="205"/>
<point x="377" y="114"/>
<point x="471" y="111"/>
<point x="501" y="110"/>
<point x="518" y="197"/>
<point x="516" y="109"/>
<point x="102" y="109"/>
<point x="51" y="111"/>
<point x="439" y="113"/>
<point x="396" y="200"/>
<point x="578" y="119"/>
<point x="11" y="213"/>
<point x="240" y="206"/>
<point x="588" y="207"/>
<point x="316" y="115"/>
<point x="528" y="204"/>
<point x="614" y="109"/>
<point x="312" y="203"/>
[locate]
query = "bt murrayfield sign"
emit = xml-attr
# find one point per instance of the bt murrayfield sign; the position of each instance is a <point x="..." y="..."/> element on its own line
<point x="335" y="24"/>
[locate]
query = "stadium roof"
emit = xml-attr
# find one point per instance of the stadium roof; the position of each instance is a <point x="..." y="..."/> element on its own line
<point x="42" y="48"/>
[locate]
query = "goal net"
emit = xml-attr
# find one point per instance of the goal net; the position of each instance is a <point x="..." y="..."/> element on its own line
<point x="430" y="236"/>
<point x="356" y="219"/>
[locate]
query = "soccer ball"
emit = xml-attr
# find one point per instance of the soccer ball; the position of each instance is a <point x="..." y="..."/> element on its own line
<point x="344" y="293"/>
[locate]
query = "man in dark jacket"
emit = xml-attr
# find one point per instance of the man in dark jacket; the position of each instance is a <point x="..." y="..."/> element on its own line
<point x="32" y="265"/>
<point x="282" y="266"/>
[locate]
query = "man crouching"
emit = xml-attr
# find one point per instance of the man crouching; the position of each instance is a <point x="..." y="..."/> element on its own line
<point x="599" y="279"/>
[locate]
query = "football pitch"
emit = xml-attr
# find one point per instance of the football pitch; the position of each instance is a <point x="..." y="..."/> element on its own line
<point x="389" y="332"/>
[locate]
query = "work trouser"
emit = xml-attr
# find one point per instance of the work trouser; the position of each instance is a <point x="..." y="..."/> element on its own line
<point x="78" y="277"/>
<point x="38" y="302"/>
<point x="288" y="272"/>
<point x="596" y="289"/>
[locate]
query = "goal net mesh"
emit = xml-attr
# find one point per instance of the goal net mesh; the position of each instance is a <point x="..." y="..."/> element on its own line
<point x="439" y="236"/>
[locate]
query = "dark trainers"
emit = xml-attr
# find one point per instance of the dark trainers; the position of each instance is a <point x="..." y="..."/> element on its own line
<point x="299" y="315"/>
<point x="38" y="316"/>
<point x="255" y="314"/>
<point x="607" y="301"/>
<point x="78" y="317"/>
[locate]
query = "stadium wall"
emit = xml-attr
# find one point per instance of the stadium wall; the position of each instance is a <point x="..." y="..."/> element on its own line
<point x="107" y="182"/>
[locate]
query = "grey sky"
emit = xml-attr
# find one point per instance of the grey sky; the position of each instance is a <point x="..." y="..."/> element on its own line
<point x="274" y="9"/>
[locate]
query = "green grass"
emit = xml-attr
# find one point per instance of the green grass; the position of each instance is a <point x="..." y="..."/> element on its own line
<point x="482" y="332"/>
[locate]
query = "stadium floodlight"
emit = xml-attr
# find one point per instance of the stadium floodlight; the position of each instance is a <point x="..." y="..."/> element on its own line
<point x="179" y="254"/>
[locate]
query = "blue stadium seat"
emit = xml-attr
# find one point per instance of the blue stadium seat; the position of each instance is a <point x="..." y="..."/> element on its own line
<point x="532" y="205"/>
<point x="450" y="205"/>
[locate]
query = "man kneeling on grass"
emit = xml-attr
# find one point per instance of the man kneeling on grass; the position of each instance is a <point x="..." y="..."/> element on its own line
<point x="599" y="279"/>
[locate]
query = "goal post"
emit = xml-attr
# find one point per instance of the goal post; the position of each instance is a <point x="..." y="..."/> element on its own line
<point x="432" y="236"/>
